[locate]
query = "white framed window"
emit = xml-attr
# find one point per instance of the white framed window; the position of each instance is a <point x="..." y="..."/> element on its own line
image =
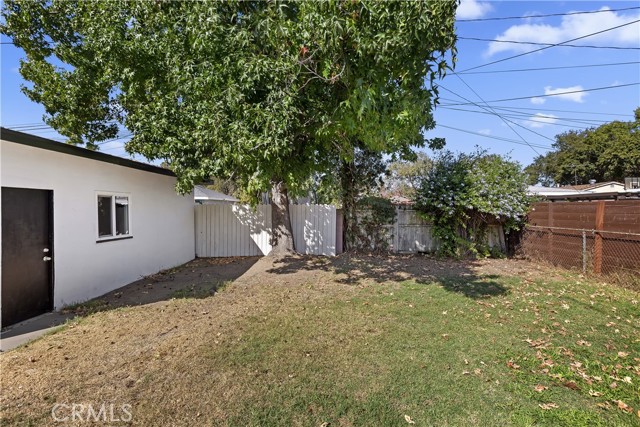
<point x="114" y="216"/>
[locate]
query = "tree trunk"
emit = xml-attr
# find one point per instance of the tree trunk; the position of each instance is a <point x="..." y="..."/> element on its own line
<point x="350" y="224"/>
<point x="282" y="234"/>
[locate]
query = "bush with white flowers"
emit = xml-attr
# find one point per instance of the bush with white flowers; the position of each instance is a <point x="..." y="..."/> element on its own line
<point x="462" y="194"/>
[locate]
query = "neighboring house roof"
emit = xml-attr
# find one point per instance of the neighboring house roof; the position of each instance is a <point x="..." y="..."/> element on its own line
<point x="553" y="191"/>
<point x="60" y="147"/>
<point x="600" y="191"/>
<point x="400" y="200"/>
<point x="588" y="187"/>
<point x="201" y="193"/>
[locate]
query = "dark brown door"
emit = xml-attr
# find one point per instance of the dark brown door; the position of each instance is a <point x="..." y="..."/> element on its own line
<point x="27" y="253"/>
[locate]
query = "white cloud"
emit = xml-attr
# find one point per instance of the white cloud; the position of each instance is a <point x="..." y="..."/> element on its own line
<point x="539" y="120"/>
<point x="571" y="27"/>
<point x="471" y="9"/>
<point x="485" y="131"/>
<point x="537" y="101"/>
<point x="576" y="96"/>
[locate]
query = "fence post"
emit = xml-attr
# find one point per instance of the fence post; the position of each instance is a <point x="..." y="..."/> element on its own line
<point x="597" y="248"/>
<point x="584" y="251"/>
<point x="550" y="240"/>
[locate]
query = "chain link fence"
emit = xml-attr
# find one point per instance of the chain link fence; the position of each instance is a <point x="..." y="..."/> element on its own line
<point x="588" y="250"/>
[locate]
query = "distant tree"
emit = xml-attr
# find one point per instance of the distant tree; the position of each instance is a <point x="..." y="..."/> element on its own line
<point x="462" y="194"/>
<point x="609" y="152"/>
<point x="266" y="91"/>
<point x="405" y="175"/>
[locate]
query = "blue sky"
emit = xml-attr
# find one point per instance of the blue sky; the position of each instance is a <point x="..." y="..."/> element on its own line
<point x="528" y="125"/>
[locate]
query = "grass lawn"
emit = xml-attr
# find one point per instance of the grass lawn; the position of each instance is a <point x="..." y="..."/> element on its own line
<point x="351" y="341"/>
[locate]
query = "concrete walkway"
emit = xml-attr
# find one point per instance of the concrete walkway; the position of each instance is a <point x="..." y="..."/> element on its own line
<point x="22" y="333"/>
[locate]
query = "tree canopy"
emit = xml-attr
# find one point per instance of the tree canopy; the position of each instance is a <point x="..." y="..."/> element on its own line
<point x="264" y="92"/>
<point x="610" y="152"/>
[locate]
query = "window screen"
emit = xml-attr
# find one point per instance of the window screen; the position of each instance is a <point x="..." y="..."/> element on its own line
<point x="104" y="216"/>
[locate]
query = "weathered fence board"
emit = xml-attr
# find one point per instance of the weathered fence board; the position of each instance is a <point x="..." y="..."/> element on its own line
<point x="225" y="229"/>
<point x="412" y="234"/>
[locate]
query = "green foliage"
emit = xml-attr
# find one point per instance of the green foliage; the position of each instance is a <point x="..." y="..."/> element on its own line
<point x="258" y="90"/>
<point x="610" y="152"/>
<point x="462" y="194"/>
<point x="374" y="216"/>
<point x="405" y="175"/>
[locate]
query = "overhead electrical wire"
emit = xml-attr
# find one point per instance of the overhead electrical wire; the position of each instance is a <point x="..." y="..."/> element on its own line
<point x="558" y="111"/>
<point x="521" y="113"/>
<point x="506" y="121"/>
<point x="499" y="138"/>
<point x="516" y="70"/>
<point x="547" y="44"/>
<point x="549" y="47"/>
<point x="503" y="18"/>
<point x="525" y="117"/>
<point x="553" y="94"/>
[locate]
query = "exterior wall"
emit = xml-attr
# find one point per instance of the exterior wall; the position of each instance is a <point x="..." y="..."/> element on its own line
<point x="161" y="221"/>
<point x="224" y="229"/>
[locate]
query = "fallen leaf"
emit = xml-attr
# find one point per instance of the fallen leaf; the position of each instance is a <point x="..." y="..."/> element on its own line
<point x="571" y="384"/>
<point x="325" y="424"/>
<point x="547" y="406"/>
<point x="584" y="343"/>
<point x="595" y="393"/>
<point x="540" y="388"/>
<point x="512" y="365"/>
<point x="465" y="372"/>
<point x="623" y="406"/>
<point x="477" y="371"/>
<point x="408" y="419"/>
<point x="622" y="354"/>
<point x="613" y="385"/>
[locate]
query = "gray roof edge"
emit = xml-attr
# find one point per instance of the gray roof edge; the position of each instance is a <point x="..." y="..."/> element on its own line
<point x="60" y="147"/>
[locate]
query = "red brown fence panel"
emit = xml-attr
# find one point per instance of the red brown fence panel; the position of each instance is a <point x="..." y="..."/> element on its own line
<point x="598" y="237"/>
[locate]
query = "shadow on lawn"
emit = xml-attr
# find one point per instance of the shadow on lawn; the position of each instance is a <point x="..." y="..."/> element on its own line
<point x="200" y="278"/>
<point x="454" y="276"/>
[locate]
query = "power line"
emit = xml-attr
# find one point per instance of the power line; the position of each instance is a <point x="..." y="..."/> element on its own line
<point x="552" y="68"/>
<point x="506" y="121"/>
<point x="549" y="47"/>
<point x="520" y="113"/>
<point x="523" y="117"/>
<point x="115" y="139"/>
<point x="499" y="138"/>
<point x="547" y="44"/>
<point x="545" y="16"/>
<point x="557" y="111"/>
<point x="551" y="94"/>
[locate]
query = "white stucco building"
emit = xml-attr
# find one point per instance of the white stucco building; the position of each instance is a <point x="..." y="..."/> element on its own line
<point x="78" y="223"/>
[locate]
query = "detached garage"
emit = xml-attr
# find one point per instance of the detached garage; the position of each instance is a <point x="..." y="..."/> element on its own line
<point x="78" y="223"/>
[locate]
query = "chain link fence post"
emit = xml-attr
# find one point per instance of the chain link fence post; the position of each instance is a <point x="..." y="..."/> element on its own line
<point x="584" y="252"/>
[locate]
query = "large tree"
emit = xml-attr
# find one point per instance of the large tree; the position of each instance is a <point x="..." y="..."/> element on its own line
<point x="266" y="92"/>
<point x="610" y="152"/>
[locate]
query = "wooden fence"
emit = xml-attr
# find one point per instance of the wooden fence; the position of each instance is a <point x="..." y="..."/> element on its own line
<point x="226" y="229"/>
<point x="602" y="236"/>
<point x="410" y="233"/>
